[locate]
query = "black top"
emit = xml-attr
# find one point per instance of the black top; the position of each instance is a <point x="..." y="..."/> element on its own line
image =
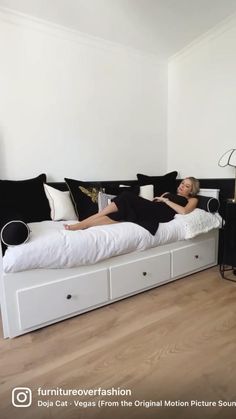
<point x="177" y="199"/>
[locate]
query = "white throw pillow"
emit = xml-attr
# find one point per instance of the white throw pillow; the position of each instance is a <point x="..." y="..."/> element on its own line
<point x="146" y="191"/>
<point x="60" y="204"/>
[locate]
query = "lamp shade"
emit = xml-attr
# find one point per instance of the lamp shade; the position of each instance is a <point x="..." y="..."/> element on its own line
<point x="228" y="158"/>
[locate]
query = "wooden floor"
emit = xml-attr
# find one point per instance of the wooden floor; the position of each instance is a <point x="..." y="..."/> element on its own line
<point x="176" y="342"/>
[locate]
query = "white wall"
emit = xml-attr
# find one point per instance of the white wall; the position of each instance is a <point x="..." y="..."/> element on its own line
<point x="77" y="107"/>
<point x="202" y="104"/>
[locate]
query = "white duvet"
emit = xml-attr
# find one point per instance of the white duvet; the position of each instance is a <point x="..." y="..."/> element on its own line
<point x="51" y="246"/>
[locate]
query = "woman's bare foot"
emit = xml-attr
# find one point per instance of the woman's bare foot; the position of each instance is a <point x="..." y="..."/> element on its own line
<point x="90" y="222"/>
<point x="71" y="227"/>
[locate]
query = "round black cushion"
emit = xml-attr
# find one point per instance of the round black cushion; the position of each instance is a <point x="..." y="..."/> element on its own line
<point x="15" y="232"/>
<point x="208" y="203"/>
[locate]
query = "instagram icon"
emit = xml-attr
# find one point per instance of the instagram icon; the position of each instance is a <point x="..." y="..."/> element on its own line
<point x="21" y="397"/>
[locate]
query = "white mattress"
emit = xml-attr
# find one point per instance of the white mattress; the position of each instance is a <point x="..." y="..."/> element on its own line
<point x="51" y="246"/>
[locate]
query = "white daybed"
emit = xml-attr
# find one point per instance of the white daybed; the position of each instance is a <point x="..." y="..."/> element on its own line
<point x="36" y="298"/>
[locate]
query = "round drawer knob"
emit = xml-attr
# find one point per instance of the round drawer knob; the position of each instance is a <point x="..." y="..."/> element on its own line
<point x="69" y="296"/>
<point x="144" y="273"/>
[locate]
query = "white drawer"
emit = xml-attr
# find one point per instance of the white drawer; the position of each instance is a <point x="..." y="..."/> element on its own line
<point x="54" y="300"/>
<point x="193" y="257"/>
<point x="138" y="275"/>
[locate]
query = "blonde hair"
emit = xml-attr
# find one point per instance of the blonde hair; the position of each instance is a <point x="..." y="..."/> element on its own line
<point x="195" y="185"/>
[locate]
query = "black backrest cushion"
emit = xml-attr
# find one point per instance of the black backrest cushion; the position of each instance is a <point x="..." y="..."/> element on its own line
<point x="162" y="184"/>
<point x="25" y="197"/>
<point x="117" y="189"/>
<point x="208" y="203"/>
<point x="14" y="233"/>
<point x="84" y="197"/>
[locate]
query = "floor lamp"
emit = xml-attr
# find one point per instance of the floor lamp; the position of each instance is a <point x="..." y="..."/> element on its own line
<point x="229" y="159"/>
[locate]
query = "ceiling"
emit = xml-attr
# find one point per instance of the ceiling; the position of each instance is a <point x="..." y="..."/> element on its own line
<point x="159" y="26"/>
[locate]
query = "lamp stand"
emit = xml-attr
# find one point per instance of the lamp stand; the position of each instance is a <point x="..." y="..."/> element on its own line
<point x="229" y="159"/>
<point x="233" y="200"/>
<point x="235" y="186"/>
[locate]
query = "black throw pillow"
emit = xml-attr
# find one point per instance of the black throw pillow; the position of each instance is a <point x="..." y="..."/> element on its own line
<point x="208" y="203"/>
<point x="162" y="184"/>
<point x="24" y="197"/>
<point x="84" y="197"/>
<point x="14" y="233"/>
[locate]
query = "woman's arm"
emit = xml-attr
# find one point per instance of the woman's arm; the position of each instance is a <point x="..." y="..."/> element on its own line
<point x="191" y="205"/>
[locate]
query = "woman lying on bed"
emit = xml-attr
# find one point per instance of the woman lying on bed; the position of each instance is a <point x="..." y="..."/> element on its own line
<point x="147" y="214"/>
